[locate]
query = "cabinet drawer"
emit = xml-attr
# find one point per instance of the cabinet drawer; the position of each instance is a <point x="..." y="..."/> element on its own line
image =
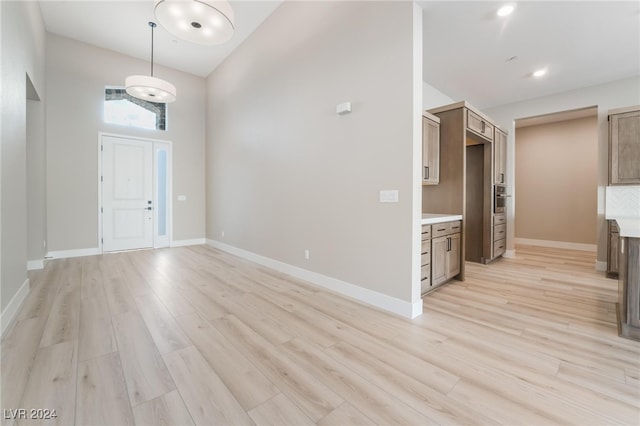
<point x="479" y="125"/>
<point x="426" y="232"/>
<point x="440" y="229"/>
<point x="425" y="259"/>
<point x="426" y="247"/>
<point x="425" y="272"/>
<point x="446" y="228"/>
<point x="425" y="285"/>
<point x="499" y="232"/>
<point x="499" y="219"/>
<point x="499" y="247"/>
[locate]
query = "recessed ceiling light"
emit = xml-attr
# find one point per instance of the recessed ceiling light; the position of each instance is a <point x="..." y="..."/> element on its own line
<point x="540" y="72"/>
<point x="505" y="10"/>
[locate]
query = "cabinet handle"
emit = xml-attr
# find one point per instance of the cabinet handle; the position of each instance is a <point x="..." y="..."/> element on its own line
<point x="426" y="172"/>
<point x="501" y="177"/>
<point x="448" y="244"/>
<point x="483" y="124"/>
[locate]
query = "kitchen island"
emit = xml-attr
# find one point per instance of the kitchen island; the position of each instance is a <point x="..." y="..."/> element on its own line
<point x="623" y="210"/>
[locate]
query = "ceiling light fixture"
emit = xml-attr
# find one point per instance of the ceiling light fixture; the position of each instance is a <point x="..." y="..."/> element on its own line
<point x="506" y="10"/>
<point x="540" y="72"/>
<point x="150" y="88"/>
<point x="198" y="21"/>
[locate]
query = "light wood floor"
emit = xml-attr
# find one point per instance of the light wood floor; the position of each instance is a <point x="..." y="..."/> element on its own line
<point x="196" y="336"/>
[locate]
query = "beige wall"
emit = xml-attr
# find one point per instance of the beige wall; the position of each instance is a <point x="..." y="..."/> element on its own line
<point x="285" y="173"/>
<point x="557" y="181"/>
<point x="77" y="74"/>
<point x="23" y="52"/>
<point x="615" y="94"/>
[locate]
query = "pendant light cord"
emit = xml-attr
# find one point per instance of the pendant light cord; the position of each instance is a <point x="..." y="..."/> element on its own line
<point x="152" y="25"/>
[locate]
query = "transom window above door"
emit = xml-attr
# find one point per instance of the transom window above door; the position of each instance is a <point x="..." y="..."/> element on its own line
<point x="123" y="109"/>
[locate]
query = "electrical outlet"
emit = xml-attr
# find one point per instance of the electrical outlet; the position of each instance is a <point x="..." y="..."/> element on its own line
<point x="306" y="254"/>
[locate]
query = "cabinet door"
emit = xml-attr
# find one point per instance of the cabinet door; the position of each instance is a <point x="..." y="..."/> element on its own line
<point x="430" y="151"/>
<point x="500" y="157"/>
<point x="480" y="126"/>
<point x="439" y="262"/>
<point x="624" y="146"/>
<point x="453" y="266"/>
<point x="632" y="279"/>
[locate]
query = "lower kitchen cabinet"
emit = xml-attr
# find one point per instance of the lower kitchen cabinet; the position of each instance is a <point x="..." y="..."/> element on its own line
<point x="445" y="258"/>
<point x="425" y="268"/>
<point x="628" y="306"/>
<point x="499" y="235"/>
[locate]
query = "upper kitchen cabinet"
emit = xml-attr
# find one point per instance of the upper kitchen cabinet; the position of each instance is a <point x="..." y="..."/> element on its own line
<point x="500" y="157"/>
<point x="479" y="125"/>
<point x="430" y="149"/>
<point x="624" y="146"/>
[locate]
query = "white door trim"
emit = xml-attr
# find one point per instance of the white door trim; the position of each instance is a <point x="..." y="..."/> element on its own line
<point x="170" y="171"/>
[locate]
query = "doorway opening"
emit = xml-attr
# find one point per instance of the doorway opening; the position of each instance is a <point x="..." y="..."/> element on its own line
<point x="135" y="176"/>
<point x="556" y="180"/>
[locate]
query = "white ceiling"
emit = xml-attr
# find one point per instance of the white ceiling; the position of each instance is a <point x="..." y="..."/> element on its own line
<point x="582" y="43"/>
<point x="123" y="26"/>
<point x="466" y="46"/>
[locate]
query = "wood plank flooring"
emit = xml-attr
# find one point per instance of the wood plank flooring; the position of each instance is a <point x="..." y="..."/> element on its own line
<point x="195" y="336"/>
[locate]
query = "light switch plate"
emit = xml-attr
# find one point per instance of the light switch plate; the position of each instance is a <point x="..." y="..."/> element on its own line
<point x="389" y="196"/>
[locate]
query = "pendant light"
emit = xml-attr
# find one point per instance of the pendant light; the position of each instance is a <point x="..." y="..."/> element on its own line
<point x="206" y="22"/>
<point x="150" y="88"/>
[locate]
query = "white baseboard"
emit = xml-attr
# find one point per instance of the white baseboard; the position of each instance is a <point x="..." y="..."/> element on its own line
<point x="191" y="242"/>
<point x="14" y="305"/>
<point x="509" y="254"/>
<point x="33" y="265"/>
<point x="64" y="254"/>
<point x="556" y="244"/>
<point x="383" y="301"/>
<point x="601" y="266"/>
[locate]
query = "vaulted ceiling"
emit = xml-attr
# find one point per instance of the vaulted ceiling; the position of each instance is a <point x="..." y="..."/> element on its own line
<point x="469" y="52"/>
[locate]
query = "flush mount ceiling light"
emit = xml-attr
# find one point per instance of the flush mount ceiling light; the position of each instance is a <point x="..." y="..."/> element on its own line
<point x="540" y="72"/>
<point x="150" y="88"/>
<point x="506" y="10"/>
<point x="198" y="21"/>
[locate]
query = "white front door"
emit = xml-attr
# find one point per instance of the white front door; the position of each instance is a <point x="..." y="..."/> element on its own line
<point x="127" y="194"/>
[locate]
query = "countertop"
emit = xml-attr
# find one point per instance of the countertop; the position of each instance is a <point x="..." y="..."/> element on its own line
<point x="629" y="226"/>
<point x="430" y="218"/>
